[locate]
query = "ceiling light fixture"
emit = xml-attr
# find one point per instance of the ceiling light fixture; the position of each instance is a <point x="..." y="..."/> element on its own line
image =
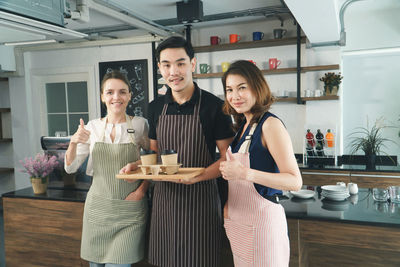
<point x="30" y="42"/>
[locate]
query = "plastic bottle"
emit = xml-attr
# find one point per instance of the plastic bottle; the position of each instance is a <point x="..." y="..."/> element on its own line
<point x="310" y="143"/>
<point x="329" y="139"/>
<point x="320" y="143"/>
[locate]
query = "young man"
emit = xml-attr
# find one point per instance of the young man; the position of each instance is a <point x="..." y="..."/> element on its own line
<point x="186" y="222"/>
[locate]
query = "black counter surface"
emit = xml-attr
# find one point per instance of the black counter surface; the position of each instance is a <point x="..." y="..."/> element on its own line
<point x="351" y="168"/>
<point x="359" y="209"/>
<point x="51" y="194"/>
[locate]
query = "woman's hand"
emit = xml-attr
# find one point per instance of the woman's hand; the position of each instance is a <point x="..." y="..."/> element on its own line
<point x="136" y="195"/>
<point x="232" y="169"/>
<point x="81" y="135"/>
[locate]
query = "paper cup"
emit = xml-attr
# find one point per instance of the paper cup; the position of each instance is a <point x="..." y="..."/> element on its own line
<point x="149" y="159"/>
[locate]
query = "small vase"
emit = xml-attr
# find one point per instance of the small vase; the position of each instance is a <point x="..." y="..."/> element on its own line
<point x="331" y="89"/>
<point x="370" y="163"/>
<point x="39" y="184"/>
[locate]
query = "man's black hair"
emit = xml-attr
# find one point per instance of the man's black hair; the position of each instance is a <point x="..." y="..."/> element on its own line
<point x="175" y="42"/>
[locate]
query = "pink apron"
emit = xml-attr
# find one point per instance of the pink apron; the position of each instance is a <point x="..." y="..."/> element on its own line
<point x="256" y="227"/>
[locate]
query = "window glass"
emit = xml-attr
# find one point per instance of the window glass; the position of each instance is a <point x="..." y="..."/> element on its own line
<point x="77" y="97"/>
<point x="55" y="95"/>
<point x="57" y="123"/>
<point x="74" y="121"/>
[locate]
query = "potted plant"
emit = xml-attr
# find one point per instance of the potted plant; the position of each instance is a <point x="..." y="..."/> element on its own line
<point x="331" y="82"/>
<point x="39" y="169"/>
<point x="370" y="141"/>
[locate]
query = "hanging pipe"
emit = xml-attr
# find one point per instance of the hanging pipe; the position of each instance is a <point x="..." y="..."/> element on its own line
<point x="342" y="40"/>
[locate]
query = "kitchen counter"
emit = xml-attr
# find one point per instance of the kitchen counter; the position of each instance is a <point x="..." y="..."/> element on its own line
<point x="346" y="167"/>
<point x="318" y="229"/>
<point x="357" y="209"/>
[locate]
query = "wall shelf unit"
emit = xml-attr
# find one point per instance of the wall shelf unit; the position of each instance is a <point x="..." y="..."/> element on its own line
<point x="274" y="72"/>
<point x="305" y="99"/>
<point x="6" y="170"/>
<point x="245" y="45"/>
<point x="2" y="140"/>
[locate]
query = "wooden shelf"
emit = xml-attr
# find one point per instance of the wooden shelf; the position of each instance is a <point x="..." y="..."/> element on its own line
<point x="244" y="45"/>
<point x="6" y="170"/>
<point x="4" y="110"/>
<point x="5" y="140"/>
<point x="273" y="72"/>
<point x="320" y="98"/>
<point x="326" y="97"/>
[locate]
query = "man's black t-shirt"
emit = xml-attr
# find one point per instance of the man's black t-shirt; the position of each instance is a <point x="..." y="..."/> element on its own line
<point x="215" y="124"/>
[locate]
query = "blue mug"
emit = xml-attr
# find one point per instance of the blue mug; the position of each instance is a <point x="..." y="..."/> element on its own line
<point x="257" y="36"/>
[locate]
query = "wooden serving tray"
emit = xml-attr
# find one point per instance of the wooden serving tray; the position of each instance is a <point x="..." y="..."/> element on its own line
<point x="183" y="173"/>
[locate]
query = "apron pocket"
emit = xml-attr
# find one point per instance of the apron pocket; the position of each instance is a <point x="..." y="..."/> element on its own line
<point x="117" y="211"/>
<point x="241" y="238"/>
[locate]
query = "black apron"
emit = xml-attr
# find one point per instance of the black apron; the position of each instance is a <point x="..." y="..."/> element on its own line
<point x="186" y="221"/>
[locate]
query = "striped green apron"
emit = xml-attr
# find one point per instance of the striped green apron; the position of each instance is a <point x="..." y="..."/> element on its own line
<point x="113" y="228"/>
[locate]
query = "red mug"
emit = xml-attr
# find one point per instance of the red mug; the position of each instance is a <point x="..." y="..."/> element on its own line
<point x="214" y="40"/>
<point x="274" y="63"/>
<point x="234" y="38"/>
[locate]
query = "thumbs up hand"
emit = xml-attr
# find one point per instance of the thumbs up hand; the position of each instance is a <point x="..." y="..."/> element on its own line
<point x="81" y="135"/>
<point x="232" y="169"/>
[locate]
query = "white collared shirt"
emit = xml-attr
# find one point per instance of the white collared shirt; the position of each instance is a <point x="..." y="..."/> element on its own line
<point x="96" y="127"/>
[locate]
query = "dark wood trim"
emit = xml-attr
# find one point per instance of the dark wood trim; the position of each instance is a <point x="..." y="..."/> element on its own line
<point x="319" y="243"/>
<point x="3" y="79"/>
<point x="5" y="140"/>
<point x="251" y="44"/>
<point x="42" y="232"/>
<point x="319" y="178"/>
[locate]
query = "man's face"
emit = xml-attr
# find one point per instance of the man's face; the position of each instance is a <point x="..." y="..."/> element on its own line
<point x="177" y="68"/>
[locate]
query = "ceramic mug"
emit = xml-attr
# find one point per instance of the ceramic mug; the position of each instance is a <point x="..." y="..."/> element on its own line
<point x="257" y="36"/>
<point x="234" y="38"/>
<point x="225" y="66"/>
<point x="205" y="68"/>
<point x="279" y="33"/>
<point x="353" y="188"/>
<point x="214" y="40"/>
<point x="273" y="63"/>
<point x="318" y="93"/>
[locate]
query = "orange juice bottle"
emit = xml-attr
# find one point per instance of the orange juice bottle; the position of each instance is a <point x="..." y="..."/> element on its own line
<point x="329" y="138"/>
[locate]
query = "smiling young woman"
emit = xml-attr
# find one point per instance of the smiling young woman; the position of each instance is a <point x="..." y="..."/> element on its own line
<point x="259" y="166"/>
<point x="115" y="213"/>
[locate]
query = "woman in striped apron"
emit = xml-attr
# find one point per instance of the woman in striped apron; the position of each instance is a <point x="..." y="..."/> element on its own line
<point x="260" y="165"/>
<point x="115" y="213"/>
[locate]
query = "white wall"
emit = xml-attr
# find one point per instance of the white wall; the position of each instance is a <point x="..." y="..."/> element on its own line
<point x="25" y="93"/>
<point x="370" y="68"/>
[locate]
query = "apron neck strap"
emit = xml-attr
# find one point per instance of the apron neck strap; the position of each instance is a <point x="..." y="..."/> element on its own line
<point x="244" y="148"/>
<point x="196" y="110"/>
<point x="129" y="129"/>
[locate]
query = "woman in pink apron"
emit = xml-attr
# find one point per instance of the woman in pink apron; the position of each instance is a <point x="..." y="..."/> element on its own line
<point x="259" y="166"/>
